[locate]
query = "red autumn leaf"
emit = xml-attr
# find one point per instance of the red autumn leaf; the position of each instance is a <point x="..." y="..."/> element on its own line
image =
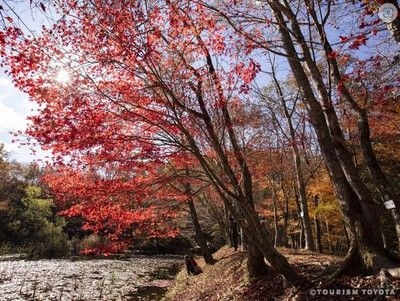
<point x="358" y="41"/>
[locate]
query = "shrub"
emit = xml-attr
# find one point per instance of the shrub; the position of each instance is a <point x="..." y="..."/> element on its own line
<point x="93" y="241"/>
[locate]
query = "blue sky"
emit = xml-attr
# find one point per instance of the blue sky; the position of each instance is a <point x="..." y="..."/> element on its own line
<point x="14" y="109"/>
<point x="14" y="105"/>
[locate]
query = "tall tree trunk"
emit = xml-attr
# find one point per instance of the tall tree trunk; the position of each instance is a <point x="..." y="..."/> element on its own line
<point x="285" y="223"/>
<point x="301" y="234"/>
<point x="317" y="223"/>
<point x="217" y="213"/>
<point x="249" y="220"/>
<point x="256" y="266"/>
<point x="366" y="245"/>
<point x="259" y="235"/>
<point x="276" y="226"/>
<point x="301" y="186"/>
<point x="242" y="242"/>
<point x="280" y="234"/>
<point x="328" y="234"/>
<point x="300" y="220"/>
<point x="201" y="240"/>
<point x="384" y="186"/>
<point x="371" y="161"/>
<point x="304" y="213"/>
<point x="228" y="226"/>
<point x="240" y="193"/>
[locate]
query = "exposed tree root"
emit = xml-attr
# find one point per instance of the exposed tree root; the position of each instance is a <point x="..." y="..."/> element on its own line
<point x="371" y="263"/>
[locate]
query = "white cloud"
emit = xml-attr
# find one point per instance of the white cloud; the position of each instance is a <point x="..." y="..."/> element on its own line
<point x="11" y="147"/>
<point x="14" y="108"/>
<point x="5" y="82"/>
<point x="10" y="120"/>
<point x="24" y="153"/>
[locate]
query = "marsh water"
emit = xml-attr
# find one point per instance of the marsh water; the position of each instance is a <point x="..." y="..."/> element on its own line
<point x="138" y="278"/>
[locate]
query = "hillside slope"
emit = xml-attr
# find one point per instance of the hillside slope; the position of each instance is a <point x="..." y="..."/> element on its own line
<point x="227" y="280"/>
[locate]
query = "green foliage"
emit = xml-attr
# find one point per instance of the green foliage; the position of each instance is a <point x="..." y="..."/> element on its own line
<point x="6" y="248"/>
<point x="28" y="218"/>
<point x="31" y="214"/>
<point x="51" y="241"/>
<point x="33" y="224"/>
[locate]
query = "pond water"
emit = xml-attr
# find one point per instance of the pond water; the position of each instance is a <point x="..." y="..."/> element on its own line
<point x="137" y="279"/>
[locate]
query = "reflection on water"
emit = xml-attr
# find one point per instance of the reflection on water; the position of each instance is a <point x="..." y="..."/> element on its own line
<point x="139" y="278"/>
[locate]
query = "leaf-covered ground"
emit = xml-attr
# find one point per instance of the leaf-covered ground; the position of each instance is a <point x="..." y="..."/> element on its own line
<point x="227" y="280"/>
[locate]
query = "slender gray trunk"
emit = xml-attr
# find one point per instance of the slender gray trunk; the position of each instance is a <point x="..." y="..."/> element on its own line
<point x="317" y="223"/>
<point x="301" y="186"/>
<point x="358" y="209"/>
<point x="377" y="175"/>
<point x="200" y="237"/>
